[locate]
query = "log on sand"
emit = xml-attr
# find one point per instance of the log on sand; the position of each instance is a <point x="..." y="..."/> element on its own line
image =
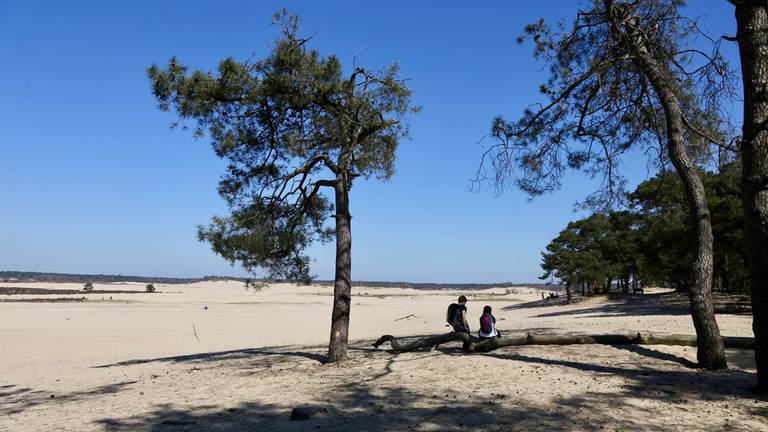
<point x="472" y="344"/>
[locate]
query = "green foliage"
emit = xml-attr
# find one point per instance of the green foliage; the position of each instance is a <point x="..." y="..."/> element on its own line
<point x="666" y="237"/>
<point x="288" y="125"/>
<point x="598" y="103"/>
<point x="593" y="252"/>
<point x="652" y="241"/>
<point x="725" y="201"/>
<point x="150" y="288"/>
<point x="88" y="287"/>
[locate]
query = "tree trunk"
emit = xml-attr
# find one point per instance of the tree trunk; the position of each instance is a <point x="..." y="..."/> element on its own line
<point x="710" y="353"/>
<point x="568" y="293"/>
<point x="342" y="288"/>
<point x="752" y="36"/>
<point x="471" y="344"/>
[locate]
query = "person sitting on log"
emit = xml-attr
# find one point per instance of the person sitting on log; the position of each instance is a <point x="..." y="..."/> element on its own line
<point x="457" y="316"/>
<point x="487" y="325"/>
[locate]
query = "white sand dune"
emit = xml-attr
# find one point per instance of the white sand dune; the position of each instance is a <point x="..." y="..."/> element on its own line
<point x="133" y="362"/>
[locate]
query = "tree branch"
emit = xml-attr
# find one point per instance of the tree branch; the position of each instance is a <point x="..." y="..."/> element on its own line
<point x="705" y="135"/>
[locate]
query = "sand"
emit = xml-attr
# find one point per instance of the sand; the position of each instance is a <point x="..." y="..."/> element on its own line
<point x="133" y="362"/>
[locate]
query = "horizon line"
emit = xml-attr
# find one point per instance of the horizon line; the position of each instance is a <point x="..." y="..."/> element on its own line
<point x="5" y="274"/>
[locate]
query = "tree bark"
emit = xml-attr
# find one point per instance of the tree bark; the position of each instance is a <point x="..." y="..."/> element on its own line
<point x="568" y="293"/>
<point x="752" y="37"/>
<point x="342" y="288"/>
<point x="425" y="342"/>
<point x="710" y="352"/>
<point x="471" y="344"/>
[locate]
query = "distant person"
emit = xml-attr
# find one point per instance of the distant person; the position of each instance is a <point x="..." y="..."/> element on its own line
<point x="457" y="316"/>
<point x="488" y="325"/>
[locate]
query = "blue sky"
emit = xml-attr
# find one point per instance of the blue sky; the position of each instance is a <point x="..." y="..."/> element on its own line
<point x="94" y="181"/>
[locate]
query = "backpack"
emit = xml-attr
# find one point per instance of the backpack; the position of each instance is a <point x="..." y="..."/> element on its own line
<point x="486" y="323"/>
<point x="451" y="315"/>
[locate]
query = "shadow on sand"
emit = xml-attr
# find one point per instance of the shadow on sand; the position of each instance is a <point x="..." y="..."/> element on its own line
<point x="393" y="406"/>
<point x="379" y="397"/>
<point x="619" y="305"/>
<point x="278" y="352"/>
<point x="15" y="400"/>
<point x="667" y="303"/>
<point x="358" y="407"/>
<point x="650" y="383"/>
<point x="385" y="402"/>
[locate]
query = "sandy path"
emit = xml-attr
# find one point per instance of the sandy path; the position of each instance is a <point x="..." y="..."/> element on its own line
<point x="138" y="366"/>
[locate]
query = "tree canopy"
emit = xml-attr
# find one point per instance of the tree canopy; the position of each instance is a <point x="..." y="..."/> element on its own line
<point x="599" y="102"/>
<point x="625" y="75"/>
<point x="287" y="125"/>
<point x="290" y="125"/>
<point x="651" y="241"/>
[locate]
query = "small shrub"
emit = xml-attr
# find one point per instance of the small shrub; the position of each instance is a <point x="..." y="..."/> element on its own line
<point x="88" y="287"/>
<point x="150" y="287"/>
<point x="256" y="286"/>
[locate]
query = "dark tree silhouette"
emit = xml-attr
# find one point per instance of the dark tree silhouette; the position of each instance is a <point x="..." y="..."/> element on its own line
<point x="752" y="27"/>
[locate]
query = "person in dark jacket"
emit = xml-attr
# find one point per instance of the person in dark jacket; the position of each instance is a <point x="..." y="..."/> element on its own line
<point x="457" y="316"/>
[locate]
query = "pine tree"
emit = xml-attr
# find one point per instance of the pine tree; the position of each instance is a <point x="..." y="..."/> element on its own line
<point x="291" y="125"/>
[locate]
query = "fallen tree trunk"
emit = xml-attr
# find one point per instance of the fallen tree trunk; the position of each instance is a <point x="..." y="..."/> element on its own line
<point x="472" y="344"/>
<point x="427" y="342"/>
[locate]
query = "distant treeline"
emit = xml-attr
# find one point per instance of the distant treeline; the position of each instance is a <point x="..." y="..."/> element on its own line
<point x="652" y="241"/>
<point x="101" y="278"/>
<point x="442" y="286"/>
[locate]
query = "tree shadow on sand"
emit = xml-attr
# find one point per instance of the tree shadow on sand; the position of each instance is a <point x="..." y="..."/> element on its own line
<point x="648" y="382"/>
<point x="380" y="397"/>
<point x="15" y="400"/>
<point x="358" y="407"/>
<point x="268" y="355"/>
<point x="667" y="303"/>
<point x="621" y="305"/>
<point x="659" y="355"/>
<point x="277" y="353"/>
<point x="387" y="402"/>
<point x="375" y="406"/>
